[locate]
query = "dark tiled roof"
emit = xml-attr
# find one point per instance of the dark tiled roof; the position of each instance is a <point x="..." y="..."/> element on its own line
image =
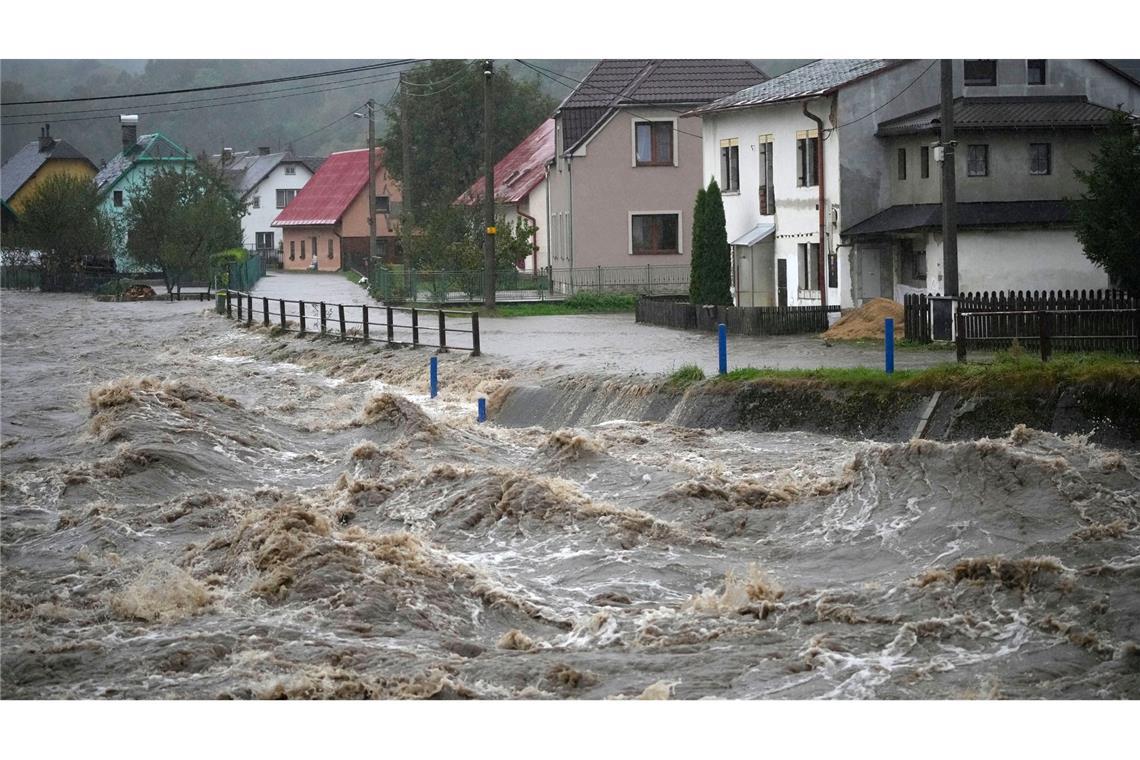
<point x="984" y="214"/>
<point x="18" y="169"/>
<point x="811" y="80"/>
<point x="518" y="172"/>
<point x="614" y="83"/>
<point x="1033" y="112"/>
<point x="246" y="170"/>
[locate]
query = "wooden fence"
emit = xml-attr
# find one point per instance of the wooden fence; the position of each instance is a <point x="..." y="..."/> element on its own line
<point x="747" y="320"/>
<point x="917" y="314"/>
<point x="393" y="325"/>
<point x="1113" y="330"/>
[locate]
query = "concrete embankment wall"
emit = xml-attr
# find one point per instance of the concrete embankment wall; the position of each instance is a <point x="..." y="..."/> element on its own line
<point x="1109" y="413"/>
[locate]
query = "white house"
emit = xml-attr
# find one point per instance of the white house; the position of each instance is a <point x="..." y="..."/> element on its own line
<point x="266" y="182"/>
<point x="1022" y="127"/>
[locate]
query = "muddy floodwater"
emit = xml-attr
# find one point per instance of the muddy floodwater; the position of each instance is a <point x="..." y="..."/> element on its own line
<point x="197" y="510"/>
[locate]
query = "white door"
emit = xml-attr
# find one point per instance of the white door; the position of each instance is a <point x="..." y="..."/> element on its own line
<point x="870" y="273"/>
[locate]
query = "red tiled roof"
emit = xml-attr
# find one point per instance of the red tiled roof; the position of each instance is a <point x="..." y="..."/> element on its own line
<point x="518" y="172"/>
<point x="328" y="193"/>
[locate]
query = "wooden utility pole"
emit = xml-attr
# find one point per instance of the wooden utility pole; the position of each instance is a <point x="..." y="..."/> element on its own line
<point x="949" y="187"/>
<point x="372" y="248"/>
<point x="488" y="190"/>
<point x="406" y="186"/>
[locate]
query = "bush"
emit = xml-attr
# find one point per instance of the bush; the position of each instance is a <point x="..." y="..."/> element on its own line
<point x="601" y="301"/>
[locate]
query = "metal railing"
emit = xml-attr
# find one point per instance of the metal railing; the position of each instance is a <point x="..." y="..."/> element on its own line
<point x="396" y="286"/>
<point x="393" y="325"/>
<point x="650" y="279"/>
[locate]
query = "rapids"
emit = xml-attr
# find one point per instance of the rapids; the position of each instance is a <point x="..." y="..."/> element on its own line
<point x="192" y="509"/>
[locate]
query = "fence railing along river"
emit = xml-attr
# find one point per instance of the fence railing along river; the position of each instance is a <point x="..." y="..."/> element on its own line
<point x="445" y="329"/>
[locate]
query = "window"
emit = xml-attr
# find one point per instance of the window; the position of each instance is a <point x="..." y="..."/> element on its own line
<point x="290" y="170"/>
<point x="383" y="205"/>
<point x="980" y="73"/>
<point x="730" y="165"/>
<point x="832" y="270"/>
<point x="292" y="250"/>
<point x="302" y="250"/>
<point x="284" y="197"/>
<point x="118" y="198"/>
<point x="977" y="160"/>
<point x="809" y="266"/>
<point x="1040" y="158"/>
<point x="902" y="163"/>
<point x="330" y="248"/>
<point x="924" y="161"/>
<point x="256" y="202"/>
<point x="655" y="233"/>
<point x="653" y="143"/>
<point x="1035" y="71"/>
<point x="767" y="191"/>
<point x="264" y="241"/>
<point x="807" y="172"/>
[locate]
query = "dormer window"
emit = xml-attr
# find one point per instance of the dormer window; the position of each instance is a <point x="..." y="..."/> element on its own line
<point x="290" y="170"/>
<point x="1035" y="71"/>
<point x="980" y="73"/>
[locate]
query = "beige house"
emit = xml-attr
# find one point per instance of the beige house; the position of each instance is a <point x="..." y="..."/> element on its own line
<point x="627" y="168"/>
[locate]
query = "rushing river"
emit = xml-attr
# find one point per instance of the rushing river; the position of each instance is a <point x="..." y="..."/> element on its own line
<point x="196" y="510"/>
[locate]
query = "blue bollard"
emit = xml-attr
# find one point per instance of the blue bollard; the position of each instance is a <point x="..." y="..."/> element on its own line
<point x="722" y="341"/>
<point x="890" y="345"/>
<point x="434" y="376"/>
<point x="482" y="410"/>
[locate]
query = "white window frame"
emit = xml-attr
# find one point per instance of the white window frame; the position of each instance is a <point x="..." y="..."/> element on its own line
<point x="680" y="230"/>
<point x="729" y="143"/>
<point x="633" y="122"/>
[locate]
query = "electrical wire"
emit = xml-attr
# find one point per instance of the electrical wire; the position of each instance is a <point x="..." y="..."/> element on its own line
<point x="276" y="80"/>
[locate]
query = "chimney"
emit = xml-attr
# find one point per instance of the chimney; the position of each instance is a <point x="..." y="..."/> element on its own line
<point x="263" y="150"/>
<point x="227" y="155"/>
<point x="130" y="127"/>
<point x="46" y="142"/>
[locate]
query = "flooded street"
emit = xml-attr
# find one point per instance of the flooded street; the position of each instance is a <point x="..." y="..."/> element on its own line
<point x="191" y="509"/>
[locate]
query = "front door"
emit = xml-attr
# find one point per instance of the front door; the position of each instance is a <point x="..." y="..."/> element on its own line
<point x="870" y="273"/>
<point x="782" y="282"/>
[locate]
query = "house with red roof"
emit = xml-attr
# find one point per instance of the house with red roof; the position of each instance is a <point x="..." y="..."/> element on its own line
<point x="521" y="189"/>
<point x="327" y="221"/>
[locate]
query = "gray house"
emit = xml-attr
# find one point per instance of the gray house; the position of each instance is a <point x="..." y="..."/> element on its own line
<point x="627" y="164"/>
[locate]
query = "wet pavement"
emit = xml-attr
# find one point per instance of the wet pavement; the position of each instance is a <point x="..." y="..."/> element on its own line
<point x="614" y="343"/>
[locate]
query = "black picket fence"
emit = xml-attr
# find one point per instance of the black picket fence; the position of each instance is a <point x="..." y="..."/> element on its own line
<point x="746" y="320"/>
<point x="393" y="325"/>
<point x="1075" y="333"/>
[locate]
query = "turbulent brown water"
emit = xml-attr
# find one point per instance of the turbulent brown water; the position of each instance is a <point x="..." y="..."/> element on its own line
<point x="196" y="510"/>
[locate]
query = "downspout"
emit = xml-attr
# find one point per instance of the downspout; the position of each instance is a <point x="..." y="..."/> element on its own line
<point x="822" y="226"/>
<point x="570" y="237"/>
<point x="533" y="234"/>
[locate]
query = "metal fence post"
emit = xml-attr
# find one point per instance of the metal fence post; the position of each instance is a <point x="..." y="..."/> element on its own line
<point x="475" y="333"/>
<point x="340" y="313"/>
<point x="249" y="310"/>
<point x="722" y="346"/>
<point x="482" y="410"/>
<point x="265" y="311"/>
<point x="364" y="320"/>
<point x="323" y="322"/>
<point x="281" y="308"/>
<point x="889" y="345"/>
<point x="301" y="314"/>
<point x="442" y="331"/>
<point x="433" y="377"/>
<point x="391" y="327"/>
<point x="229" y="305"/>
<point x="415" y="327"/>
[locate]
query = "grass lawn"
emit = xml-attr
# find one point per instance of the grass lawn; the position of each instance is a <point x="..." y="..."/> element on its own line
<point x="1007" y="372"/>
<point x="580" y="303"/>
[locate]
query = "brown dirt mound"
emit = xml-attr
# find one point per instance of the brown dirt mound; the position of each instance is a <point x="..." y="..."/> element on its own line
<point x="866" y="322"/>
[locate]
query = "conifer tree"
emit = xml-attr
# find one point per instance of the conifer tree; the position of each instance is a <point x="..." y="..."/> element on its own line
<point x="696" y="266"/>
<point x="711" y="274"/>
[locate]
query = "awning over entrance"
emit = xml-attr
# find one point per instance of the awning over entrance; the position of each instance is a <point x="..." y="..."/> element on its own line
<point x="755" y="235"/>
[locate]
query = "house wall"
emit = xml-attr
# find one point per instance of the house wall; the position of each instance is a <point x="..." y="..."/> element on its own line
<point x="593" y="195"/>
<point x="131" y="182"/>
<point x="292" y="256"/>
<point x="797" y="208"/>
<point x="535" y="206"/>
<point x="1026" y="259"/>
<point x="261" y="219"/>
<point x="1008" y="179"/>
<point x="354" y="221"/>
<point x="53" y="167"/>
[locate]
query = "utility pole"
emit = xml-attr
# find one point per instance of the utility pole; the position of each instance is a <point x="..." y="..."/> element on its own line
<point x="488" y="190"/>
<point x="949" y="188"/>
<point x="372" y="248"/>
<point x="406" y="188"/>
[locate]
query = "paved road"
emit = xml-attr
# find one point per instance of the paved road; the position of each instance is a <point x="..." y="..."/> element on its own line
<point x="611" y="343"/>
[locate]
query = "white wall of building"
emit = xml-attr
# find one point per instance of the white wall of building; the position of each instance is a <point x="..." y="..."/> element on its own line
<point x="797" y="211"/>
<point x="259" y="219"/>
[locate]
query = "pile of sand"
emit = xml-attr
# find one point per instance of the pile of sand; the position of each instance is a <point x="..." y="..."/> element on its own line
<point x="866" y="322"/>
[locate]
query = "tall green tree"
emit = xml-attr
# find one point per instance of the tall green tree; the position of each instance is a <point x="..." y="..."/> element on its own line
<point x="710" y="280"/>
<point x="452" y="239"/>
<point x="444" y="100"/>
<point x="180" y="219"/>
<point x="65" y="228"/>
<point x="1107" y="216"/>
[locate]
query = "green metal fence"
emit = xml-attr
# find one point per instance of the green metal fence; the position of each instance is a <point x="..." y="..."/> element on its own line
<point x="650" y="279"/>
<point x="20" y="278"/>
<point x="396" y="286"/>
<point x="245" y="275"/>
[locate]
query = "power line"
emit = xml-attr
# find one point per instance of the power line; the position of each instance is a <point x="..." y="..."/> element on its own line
<point x="213" y="105"/>
<point x="322" y="129"/>
<point x="315" y="87"/>
<point x="276" y="80"/>
<point x="887" y="103"/>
